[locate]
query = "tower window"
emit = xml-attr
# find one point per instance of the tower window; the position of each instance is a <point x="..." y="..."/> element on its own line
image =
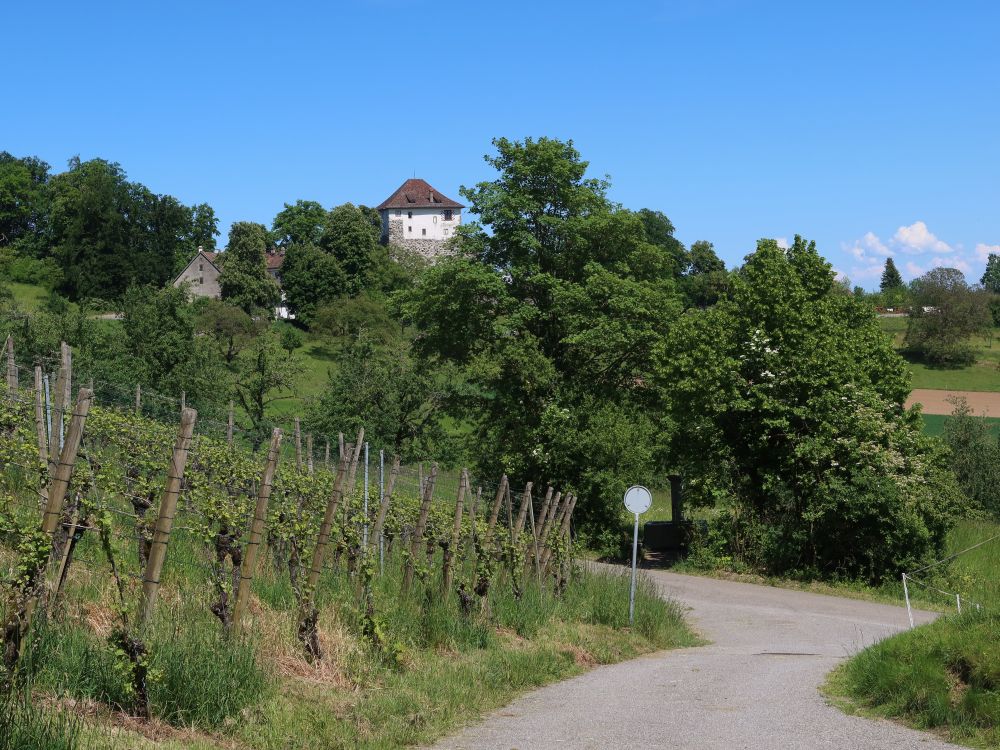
<point x="423" y="231"/>
<point x="409" y="228"/>
<point x="409" y="214"/>
<point x="447" y="214"/>
<point x="399" y="212"/>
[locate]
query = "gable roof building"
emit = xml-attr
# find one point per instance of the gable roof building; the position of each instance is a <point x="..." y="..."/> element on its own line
<point x="418" y="217"/>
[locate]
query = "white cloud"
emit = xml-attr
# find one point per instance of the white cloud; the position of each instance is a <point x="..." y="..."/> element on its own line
<point x="782" y="242"/>
<point x="873" y="243"/>
<point x="870" y="253"/>
<point x="983" y="251"/>
<point x="917" y="238"/>
<point x="914" y="270"/>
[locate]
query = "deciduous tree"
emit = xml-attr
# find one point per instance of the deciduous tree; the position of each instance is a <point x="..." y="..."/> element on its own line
<point x="244" y="281"/>
<point x="786" y="402"/>
<point x="945" y="314"/>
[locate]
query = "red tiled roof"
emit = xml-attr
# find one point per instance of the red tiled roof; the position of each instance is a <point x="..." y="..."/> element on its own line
<point x="274" y="260"/>
<point x="417" y="193"/>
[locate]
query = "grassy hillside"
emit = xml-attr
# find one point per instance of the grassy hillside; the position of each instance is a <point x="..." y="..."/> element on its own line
<point x="945" y="675"/>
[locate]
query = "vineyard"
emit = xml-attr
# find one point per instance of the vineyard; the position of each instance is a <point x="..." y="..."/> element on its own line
<point x="166" y="571"/>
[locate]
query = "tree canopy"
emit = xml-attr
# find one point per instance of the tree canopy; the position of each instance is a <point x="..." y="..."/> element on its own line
<point x="786" y="408"/>
<point x="552" y="307"/>
<point x="244" y="280"/>
<point x="946" y="312"/>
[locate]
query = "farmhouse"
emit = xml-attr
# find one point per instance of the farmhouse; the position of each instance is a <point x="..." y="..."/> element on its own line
<point x="419" y="218"/>
<point x="202" y="273"/>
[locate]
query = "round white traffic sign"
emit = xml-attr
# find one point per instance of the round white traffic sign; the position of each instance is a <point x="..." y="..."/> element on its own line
<point x="638" y="499"/>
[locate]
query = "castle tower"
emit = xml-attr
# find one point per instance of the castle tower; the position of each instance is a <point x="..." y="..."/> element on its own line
<point x="419" y="218"/>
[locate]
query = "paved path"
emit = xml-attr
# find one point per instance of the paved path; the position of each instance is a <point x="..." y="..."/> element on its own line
<point x="936" y="402"/>
<point x="755" y="687"/>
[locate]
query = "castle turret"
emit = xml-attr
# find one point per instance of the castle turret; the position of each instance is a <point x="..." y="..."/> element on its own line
<point x="419" y="218"/>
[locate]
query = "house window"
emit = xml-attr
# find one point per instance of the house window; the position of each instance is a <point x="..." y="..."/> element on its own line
<point x="447" y="214"/>
<point x="201" y="280"/>
<point x="409" y="214"/>
<point x="409" y="228"/>
<point x="423" y="231"/>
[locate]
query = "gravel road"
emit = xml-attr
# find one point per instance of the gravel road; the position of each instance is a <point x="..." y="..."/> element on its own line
<point x="755" y="687"/>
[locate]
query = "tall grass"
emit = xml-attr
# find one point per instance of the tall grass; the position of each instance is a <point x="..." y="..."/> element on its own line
<point x="198" y="676"/>
<point x="946" y="674"/>
<point x="26" y="726"/>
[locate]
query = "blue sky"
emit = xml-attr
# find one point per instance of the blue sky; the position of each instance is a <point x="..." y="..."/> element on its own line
<point x="869" y="127"/>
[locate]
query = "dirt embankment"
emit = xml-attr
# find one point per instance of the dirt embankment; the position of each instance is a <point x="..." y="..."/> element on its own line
<point x="936" y="402"/>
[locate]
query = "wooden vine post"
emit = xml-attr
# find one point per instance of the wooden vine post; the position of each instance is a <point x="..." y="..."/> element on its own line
<point x="553" y="522"/>
<point x="298" y="446"/>
<point x="256" y="531"/>
<point x="522" y="514"/>
<point x="418" y="532"/>
<point x="473" y="510"/>
<point x="229" y="426"/>
<point x="309" y="454"/>
<point x="383" y="508"/>
<point x="456" y="531"/>
<point x="547" y="526"/>
<point x="539" y="531"/>
<point x="43" y="445"/>
<point x="138" y="399"/>
<point x="60" y="402"/>
<point x="495" y="510"/>
<point x="11" y="369"/>
<point x="564" y="532"/>
<point x="354" y="460"/>
<point x="165" y="519"/>
<point x="307" y="607"/>
<point x="58" y="488"/>
<point x="534" y="538"/>
<point x="325" y="530"/>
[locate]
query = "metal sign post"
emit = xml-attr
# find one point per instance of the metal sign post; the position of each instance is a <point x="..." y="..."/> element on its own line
<point x="638" y="499"/>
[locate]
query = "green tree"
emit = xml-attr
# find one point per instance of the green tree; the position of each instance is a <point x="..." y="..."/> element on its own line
<point x="351" y="238"/>
<point x="23" y="203"/>
<point x="311" y="279"/>
<point x="890" y="277"/>
<point x="975" y="456"/>
<point x="660" y="232"/>
<point x="299" y="224"/>
<point x="357" y="316"/>
<point x="264" y="375"/>
<point x="229" y="327"/>
<point x="991" y="276"/>
<point x="244" y="280"/>
<point x="204" y="230"/>
<point x="552" y="314"/>
<point x="945" y="314"/>
<point x="107" y="233"/>
<point x="705" y="280"/>
<point x="159" y="348"/>
<point x="786" y="403"/>
<point x="397" y="400"/>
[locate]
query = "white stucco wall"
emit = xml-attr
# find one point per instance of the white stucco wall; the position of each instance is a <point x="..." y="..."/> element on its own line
<point x="422" y="223"/>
